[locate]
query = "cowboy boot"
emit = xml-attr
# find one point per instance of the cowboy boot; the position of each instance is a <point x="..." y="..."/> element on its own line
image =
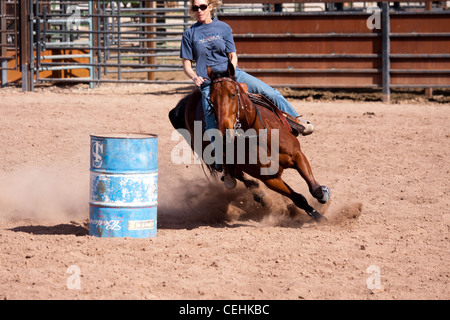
<point x="309" y="127"/>
<point x="300" y="126"/>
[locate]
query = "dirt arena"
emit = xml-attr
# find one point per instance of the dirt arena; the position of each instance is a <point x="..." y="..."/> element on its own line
<point x="387" y="166"/>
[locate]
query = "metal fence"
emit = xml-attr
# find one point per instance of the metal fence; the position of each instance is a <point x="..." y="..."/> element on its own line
<point x="93" y="41"/>
<point x="9" y="38"/>
<point x="112" y="38"/>
<point x="137" y="41"/>
<point x="382" y="48"/>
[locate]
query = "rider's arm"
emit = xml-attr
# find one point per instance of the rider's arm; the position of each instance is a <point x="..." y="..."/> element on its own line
<point x="232" y="56"/>
<point x="189" y="71"/>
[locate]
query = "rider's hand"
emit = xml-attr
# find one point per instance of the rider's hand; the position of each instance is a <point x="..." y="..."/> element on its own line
<point x="198" y="80"/>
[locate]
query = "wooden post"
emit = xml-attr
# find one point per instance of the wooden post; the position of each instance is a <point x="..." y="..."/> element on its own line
<point x="96" y="43"/>
<point x="150" y="44"/>
<point x="25" y="46"/>
<point x="386" y="49"/>
<point x="428" y="91"/>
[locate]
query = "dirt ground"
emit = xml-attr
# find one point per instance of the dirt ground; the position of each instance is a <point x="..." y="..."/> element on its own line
<point x="387" y="166"/>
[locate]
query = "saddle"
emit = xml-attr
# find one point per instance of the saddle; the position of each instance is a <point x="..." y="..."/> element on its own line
<point x="288" y="121"/>
<point x="176" y="115"/>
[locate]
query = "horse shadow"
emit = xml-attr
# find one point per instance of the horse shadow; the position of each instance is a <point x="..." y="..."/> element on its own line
<point x="213" y="207"/>
<point x="218" y="207"/>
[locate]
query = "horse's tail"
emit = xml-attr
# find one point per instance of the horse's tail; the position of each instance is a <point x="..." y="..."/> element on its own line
<point x="177" y="118"/>
<point x="176" y="115"/>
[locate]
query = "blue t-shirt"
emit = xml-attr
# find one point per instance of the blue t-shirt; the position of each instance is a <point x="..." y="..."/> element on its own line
<point x="208" y="45"/>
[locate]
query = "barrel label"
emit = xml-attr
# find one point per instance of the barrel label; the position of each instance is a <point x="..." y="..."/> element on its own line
<point x="141" y="225"/>
<point x="106" y="224"/>
<point x="97" y="149"/>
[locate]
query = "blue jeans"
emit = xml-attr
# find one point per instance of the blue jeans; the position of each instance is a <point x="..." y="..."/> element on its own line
<point x="254" y="86"/>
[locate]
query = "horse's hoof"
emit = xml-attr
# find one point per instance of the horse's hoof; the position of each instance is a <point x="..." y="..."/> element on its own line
<point x="258" y="197"/>
<point x="317" y="217"/>
<point x="326" y="195"/>
<point x="261" y="198"/>
<point x="229" y="182"/>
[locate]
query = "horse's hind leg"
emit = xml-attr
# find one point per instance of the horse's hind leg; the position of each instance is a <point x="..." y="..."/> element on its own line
<point x="321" y="193"/>
<point x="278" y="185"/>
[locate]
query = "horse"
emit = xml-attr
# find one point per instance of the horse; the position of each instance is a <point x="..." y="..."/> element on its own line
<point x="233" y="108"/>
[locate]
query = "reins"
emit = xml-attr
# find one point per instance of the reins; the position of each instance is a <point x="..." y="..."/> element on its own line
<point x="241" y="105"/>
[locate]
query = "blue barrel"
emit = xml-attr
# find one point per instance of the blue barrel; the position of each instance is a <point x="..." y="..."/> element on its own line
<point x="123" y="185"/>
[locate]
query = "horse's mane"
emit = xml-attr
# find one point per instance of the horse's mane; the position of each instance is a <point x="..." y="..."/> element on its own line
<point x="221" y="74"/>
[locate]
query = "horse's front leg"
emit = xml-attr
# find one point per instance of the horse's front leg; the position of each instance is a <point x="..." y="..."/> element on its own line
<point x="321" y="193"/>
<point x="278" y="185"/>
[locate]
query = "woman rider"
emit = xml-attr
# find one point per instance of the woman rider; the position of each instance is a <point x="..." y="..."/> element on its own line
<point x="209" y="42"/>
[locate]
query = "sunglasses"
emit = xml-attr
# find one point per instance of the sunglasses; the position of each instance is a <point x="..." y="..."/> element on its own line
<point x="203" y="7"/>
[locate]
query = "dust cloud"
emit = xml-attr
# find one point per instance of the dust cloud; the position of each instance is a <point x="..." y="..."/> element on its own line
<point x="43" y="195"/>
<point x="187" y="204"/>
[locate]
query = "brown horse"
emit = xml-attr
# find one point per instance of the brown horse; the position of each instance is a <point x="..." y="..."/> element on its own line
<point x="276" y="148"/>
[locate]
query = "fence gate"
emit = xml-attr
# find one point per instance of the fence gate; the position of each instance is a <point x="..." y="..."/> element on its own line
<point x="97" y="41"/>
<point x="9" y="38"/>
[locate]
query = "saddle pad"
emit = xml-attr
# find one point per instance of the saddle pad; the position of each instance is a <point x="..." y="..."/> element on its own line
<point x="261" y="100"/>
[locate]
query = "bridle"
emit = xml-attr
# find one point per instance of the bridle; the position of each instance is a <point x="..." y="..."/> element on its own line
<point x="241" y="105"/>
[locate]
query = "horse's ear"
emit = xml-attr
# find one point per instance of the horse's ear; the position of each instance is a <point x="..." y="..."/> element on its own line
<point x="210" y="73"/>
<point x="231" y="70"/>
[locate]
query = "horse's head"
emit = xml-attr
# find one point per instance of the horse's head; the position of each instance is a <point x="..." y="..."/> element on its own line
<point x="226" y="96"/>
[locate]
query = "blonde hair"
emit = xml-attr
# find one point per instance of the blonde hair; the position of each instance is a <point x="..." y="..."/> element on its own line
<point x="215" y="4"/>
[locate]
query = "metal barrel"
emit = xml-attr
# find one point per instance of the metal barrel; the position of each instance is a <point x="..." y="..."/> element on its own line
<point x="123" y="185"/>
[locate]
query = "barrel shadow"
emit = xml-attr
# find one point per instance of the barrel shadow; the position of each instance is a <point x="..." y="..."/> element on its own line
<point x="60" y="229"/>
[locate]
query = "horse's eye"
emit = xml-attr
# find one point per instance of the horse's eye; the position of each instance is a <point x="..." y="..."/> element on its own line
<point x="233" y="95"/>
